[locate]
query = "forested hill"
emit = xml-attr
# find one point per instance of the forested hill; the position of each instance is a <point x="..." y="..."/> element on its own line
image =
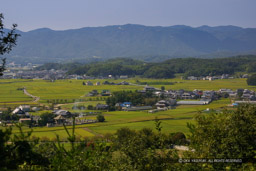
<point x="136" y="41"/>
<point x="166" y="69"/>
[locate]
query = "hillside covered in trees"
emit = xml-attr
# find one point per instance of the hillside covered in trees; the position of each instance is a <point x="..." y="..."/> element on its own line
<point x="166" y="69"/>
<point x="135" y="41"/>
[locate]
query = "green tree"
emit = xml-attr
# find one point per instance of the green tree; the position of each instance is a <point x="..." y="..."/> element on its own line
<point x="162" y="88"/>
<point x="7" y="41"/>
<point x="20" y="151"/>
<point x="158" y="125"/>
<point x="252" y="80"/>
<point x="159" y="72"/>
<point x="100" y="118"/>
<point x="227" y="135"/>
<point x="125" y="96"/>
<point x="141" y="151"/>
<point x="46" y="118"/>
<point x="178" y="138"/>
<point x="90" y="107"/>
<point x="7" y="115"/>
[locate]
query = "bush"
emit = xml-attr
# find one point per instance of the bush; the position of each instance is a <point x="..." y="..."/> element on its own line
<point x="46" y="118"/>
<point x="90" y="107"/>
<point x="100" y="118"/>
<point x="227" y="135"/>
<point x="178" y="138"/>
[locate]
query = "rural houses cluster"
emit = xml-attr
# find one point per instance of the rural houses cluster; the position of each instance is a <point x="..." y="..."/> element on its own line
<point x="89" y="83"/>
<point x="96" y="93"/>
<point x="27" y="72"/>
<point x="24" y="114"/>
<point x="211" y="78"/>
<point x="199" y="97"/>
<point x="171" y="98"/>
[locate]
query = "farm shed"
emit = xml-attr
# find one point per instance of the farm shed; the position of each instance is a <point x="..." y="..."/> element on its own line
<point x="62" y="112"/>
<point x="59" y="119"/>
<point x="25" y="108"/>
<point x="24" y="120"/>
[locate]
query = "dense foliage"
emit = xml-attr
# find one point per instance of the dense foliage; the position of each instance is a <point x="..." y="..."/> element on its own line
<point x="136" y="99"/>
<point x="252" y="80"/>
<point x="7" y="41"/>
<point x="124" y="96"/>
<point x="8" y="116"/>
<point x="16" y="150"/>
<point x="227" y="135"/>
<point x="100" y="118"/>
<point x="46" y="118"/>
<point x="166" y="69"/>
<point x="125" y="150"/>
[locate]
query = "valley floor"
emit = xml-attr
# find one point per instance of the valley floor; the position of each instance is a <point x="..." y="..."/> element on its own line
<point x="67" y="93"/>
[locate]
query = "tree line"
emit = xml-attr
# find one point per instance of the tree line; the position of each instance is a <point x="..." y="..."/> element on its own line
<point x="136" y="99"/>
<point x="167" y="69"/>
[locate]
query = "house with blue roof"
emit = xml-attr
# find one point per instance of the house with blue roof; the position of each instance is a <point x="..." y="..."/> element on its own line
<point x="126" y="104"/>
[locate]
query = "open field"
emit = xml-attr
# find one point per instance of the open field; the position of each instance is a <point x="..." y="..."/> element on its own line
<point x="65" y="89"/>
<point x="9" y="93"/>
<point x="172" y="120"/>
<point x="51" y="133"/>
<point x="73" y="90"/>
<point x="201" y="84"/>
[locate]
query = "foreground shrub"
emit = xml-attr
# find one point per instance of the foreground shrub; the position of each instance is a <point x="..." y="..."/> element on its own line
<point x="18" y="150"/>
<point x="227" y="135"/>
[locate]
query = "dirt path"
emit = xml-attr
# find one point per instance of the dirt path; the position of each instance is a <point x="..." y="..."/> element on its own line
<point x="35" y="98"/>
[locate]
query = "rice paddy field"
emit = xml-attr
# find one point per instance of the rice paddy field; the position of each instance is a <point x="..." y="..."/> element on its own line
<point x="72" y="92"/>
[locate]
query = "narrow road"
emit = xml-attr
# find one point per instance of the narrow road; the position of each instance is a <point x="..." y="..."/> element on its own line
<point x="35" y="98"/>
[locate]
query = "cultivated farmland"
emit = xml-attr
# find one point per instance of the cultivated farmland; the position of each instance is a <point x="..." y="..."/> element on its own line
<point x="67" y="93"/>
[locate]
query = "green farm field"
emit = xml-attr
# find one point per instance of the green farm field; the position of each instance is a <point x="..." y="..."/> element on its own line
<point x="173" y="120"/>
<point x="46" y="90"/>
<point x="202" y="84"/>
<point x="50" y="133"/>
<point x="74" y="90"/>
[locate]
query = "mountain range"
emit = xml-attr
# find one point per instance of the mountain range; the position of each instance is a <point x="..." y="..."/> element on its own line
<point x="148" y="43"/>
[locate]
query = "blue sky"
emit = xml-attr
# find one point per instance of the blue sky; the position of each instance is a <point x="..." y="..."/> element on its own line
<point x="71" y="14"/>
